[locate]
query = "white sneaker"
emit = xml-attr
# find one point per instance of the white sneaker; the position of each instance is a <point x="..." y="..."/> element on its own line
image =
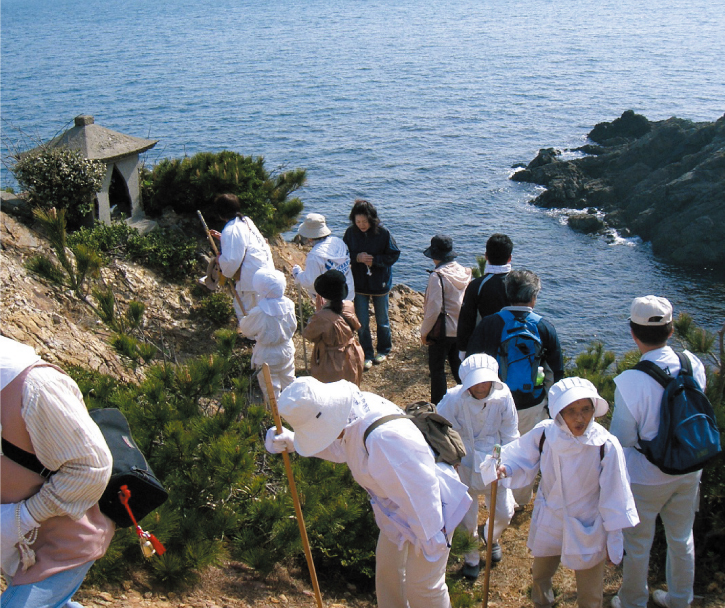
<point x="616" y="602"/>
<point x="368" y="364"/>
<point x="659" y="597"/>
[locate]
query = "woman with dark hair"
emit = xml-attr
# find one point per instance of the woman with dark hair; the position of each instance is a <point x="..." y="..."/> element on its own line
<point x="373" y="252"/>
<point x="336" y="354"/>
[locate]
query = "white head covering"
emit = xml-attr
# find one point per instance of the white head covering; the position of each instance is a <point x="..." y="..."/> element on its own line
<point x="568" y="390"/>
<point x="14" y="358"/>
<point x="314" y="227"/>
<point x="318" y="412"/>
<point x="479" y="368"/>
<point x="269" y="285"/>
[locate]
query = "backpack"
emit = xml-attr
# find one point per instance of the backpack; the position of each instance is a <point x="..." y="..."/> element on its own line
<point x="688" y="436"/>
<point x="439" y="434"/>
<point x="129" y="468"/>
<point x="518" y="356"/>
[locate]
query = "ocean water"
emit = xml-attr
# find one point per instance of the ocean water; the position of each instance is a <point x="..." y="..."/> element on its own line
<point x="422" y="107"/>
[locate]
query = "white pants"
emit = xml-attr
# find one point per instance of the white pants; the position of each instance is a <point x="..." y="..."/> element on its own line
<point x="282" y="374"/>
<point x="249" y="300"/>
<point x="406" y="580"/>
<point x="676" y="503"/>
<point x="501" y="518"/>
<point x="528" y="419"/>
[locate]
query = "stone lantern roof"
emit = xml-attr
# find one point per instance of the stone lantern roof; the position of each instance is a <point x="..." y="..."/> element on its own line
<point x="98" y="143"/>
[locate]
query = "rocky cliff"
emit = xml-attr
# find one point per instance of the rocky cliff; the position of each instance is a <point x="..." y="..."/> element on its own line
<point x="663" y="181"/>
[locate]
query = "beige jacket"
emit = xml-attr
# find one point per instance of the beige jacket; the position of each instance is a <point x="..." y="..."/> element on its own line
<point x="337" y="354"/>
<point x="455" y="280"/>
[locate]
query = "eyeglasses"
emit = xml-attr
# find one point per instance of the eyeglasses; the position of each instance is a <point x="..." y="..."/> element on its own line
<point x="583" y="413"/>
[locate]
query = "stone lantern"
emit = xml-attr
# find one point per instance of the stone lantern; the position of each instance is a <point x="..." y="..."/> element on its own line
<point x="120" y="190"/>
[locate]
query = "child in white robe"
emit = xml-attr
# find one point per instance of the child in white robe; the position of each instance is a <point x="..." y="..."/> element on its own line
<point x="272" y="323"/>
<point x="483" y="412"/>
<point x="584" y="499"/>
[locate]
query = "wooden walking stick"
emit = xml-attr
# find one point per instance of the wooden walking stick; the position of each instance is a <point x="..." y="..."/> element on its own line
<point x="292" y="486"/>
<point x="491" y="515"/>
<point x="302" y="326"/>
<point x="222" y="278"/>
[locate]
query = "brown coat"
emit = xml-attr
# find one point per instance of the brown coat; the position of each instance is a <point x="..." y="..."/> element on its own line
<point x="337" y="354"/>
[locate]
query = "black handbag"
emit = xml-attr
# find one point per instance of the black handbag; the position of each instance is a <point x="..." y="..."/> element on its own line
<point x="438" y="331"/>
<point x="129" y="469"/>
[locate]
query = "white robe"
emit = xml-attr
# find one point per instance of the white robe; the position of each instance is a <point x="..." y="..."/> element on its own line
<point x="398" y="471"/>
<point x="243" y="245"/>
<point x="583" y="501"/>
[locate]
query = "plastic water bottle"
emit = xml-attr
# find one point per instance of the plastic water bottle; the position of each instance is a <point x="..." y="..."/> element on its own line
<point x="540" y="376"/>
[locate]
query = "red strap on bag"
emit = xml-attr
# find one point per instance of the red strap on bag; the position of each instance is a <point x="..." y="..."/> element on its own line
<point x="149" y="543"/>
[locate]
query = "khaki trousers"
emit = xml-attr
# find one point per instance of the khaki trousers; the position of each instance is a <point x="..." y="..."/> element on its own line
<point x="406" y="580"/>
<point x="589" y="583"/>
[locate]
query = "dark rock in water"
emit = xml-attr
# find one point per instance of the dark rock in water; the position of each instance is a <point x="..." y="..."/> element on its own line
<point x="587" y="223"/>
<point x="626" y="127"/>
<point x="663" y="181"/>
<point x="591" y="149"/>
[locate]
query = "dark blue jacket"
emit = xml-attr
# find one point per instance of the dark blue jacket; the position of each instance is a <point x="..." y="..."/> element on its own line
<point x="381" y="245"/>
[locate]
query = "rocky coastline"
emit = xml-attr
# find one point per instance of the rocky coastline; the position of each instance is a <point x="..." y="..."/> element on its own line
<point x="663" y="181"/>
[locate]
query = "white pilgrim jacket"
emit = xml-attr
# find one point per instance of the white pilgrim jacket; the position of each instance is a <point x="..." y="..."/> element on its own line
<point x="243" y="245"/>
<point x="583" y="501"/>
<point x="273" y="334"/>
<point x="493" y="420"/>
<point x="413" y="498"/>
<point x="330" y="253"/>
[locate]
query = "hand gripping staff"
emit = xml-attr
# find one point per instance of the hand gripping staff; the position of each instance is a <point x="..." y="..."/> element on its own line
<point x="292" y="486"/>
<point x="491" y="515"/>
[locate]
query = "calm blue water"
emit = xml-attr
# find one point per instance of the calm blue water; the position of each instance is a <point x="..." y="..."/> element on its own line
<point x="420" y="106"/>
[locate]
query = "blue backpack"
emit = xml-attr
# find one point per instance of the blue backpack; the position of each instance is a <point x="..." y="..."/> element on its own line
<point x="518" y="356"/>
<point x="688" y="435"/>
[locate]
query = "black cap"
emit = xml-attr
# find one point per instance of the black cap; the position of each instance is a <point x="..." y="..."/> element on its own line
<point x="441" y="248"/>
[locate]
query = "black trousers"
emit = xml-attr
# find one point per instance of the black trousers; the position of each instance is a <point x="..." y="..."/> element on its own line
<point x="437" y="355"/>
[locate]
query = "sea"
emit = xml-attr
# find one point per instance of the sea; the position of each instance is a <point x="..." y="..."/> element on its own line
<point x="422" y="107"/>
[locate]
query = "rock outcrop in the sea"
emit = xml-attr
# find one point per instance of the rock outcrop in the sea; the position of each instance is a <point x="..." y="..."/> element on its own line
<point x="663" y="181"/>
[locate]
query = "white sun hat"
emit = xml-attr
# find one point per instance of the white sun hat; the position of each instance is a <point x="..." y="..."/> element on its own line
<point x="479" y="368"/>
<point x="318" y="412"/>
<point x="314" y="227"/>
<point x="568" y="390"/>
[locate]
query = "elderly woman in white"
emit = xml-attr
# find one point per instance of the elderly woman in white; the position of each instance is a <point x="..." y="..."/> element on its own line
<point x="584" y="499"/>
<point x="417" y="503"/>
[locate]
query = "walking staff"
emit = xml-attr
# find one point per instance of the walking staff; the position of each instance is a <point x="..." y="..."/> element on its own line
<point x="292" y="487"/>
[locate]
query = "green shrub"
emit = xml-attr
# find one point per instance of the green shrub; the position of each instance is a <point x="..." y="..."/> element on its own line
<point x="167" y="251"/>
<point x="217" y="307"/>
<point x="191" y="184"/>
<point x="60" y="178"/>
<point x="105" y="238"/>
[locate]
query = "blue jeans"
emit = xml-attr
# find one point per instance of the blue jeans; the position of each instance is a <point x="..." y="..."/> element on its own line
<point x="362" y="311"/>
<point x="53" y="592"/>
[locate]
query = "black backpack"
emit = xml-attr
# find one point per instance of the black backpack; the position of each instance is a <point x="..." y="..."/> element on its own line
<point x="437" y="431"/>
<point x="688" y="436"/>
<point x="129" y="468"/>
